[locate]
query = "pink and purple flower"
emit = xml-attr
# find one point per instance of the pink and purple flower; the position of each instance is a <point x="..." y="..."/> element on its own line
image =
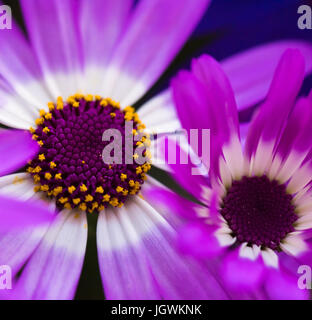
<point x="254" y="221"/>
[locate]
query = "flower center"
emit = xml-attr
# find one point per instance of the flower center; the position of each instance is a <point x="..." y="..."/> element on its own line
<point x="70" y="165"/>
<point x="259" y="211"/>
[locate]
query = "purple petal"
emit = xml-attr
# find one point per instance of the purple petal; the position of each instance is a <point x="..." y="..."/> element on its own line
<point x="142" y="53"/>
<point x="242" y="274"/>
<point x="282" y="286"/>
<point x="252" y="71"/>
<point x="16" y="148"/>
<point x="54" y="34"/>
<point x="197" y="239"/>
<point x="20" y="214"/>
<point x="54" y="269"/>
<point x="101" y="23"/>
<point x="271" y="118"/>
<point x="138" y="259"/>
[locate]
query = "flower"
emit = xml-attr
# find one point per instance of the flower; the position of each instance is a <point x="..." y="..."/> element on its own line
<point x="254" y="221"/>
<point x="63" y="86"/>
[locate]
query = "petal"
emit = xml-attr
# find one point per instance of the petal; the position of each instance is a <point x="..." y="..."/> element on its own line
<point x="142" y="54"/>
<point x="16" y="148"/>
<point x="53" y="32"/>
<point x="54" y="269"/>
<point x="197" y="239"/>
<point x="242" y="274"/>
<point x="138" y="230"/>
<point x="100" y="37"/>
<point x="17" y="245"/>
<point x="19" y="67"/>
<point x="159" y="114"/>
<point x="270" y="120"/>
<point x="251" y="71"/>
<point x="282" y="286"/>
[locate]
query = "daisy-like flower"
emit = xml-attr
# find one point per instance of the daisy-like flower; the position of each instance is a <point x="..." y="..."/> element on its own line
<point x="62" y="85"/>
<point x="79" y="52"/>
<point x="254" y="223"/>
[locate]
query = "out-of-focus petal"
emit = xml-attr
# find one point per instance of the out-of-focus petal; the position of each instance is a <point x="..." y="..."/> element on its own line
<point x="16" y="148"/>
<point x="252" y="71"/>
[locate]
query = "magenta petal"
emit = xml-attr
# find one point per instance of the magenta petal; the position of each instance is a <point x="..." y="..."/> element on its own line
<point x="270" y="120"/>
<point x="251" y="71"/>
<point x="282" y="286"/>
<point x="197" y="239"/>
<point x="242" y="274"/>
<point x="16" y="148"/>
<point x="20" y="214"/>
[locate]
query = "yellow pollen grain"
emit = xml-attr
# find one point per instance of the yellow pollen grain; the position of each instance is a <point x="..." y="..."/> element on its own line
<point x="40" y="143"/>
<point x="103" y="103"/>
<point x="48" y="116"/>
<point x="42" y="112"/>
<point x="32" y="130"/>
<point x="114" y="202"/>
<point x="120" y="205"/>
<point x="44" y="187"/>
<point x="34" y="137"/>
<point x="57" y="191"/>
<point x="39" y="121"/>
<point x="129" y="109"/>
<point x="58" y="176"/>
<point x="67" y="206"/>
<point x="71" y="189"/>
<point x="138" y="170"/>
<point x="101" y="207"/>
<point x="36" y="178"/>
<point x="89" y="97"/>
<point x="135" y="156"/>
<point x="99" y="190"/>
<point x="83" y="188"/>
<point x="95" y="205"/>
<point x="88" y="198"/>
<point x="113" y="114"/>
<point x="18" y="180"/>
<point x="41" y="157"/>
<point x="123" y="177"/>
<point x="106" y="197"/>
<point x="83" y="207"/>
<point x="37" y="188"/>
<point x="97" y="97"/>
<point x="131" y="183"/>
<point x="51" y="106"/>
<point x="76" y="104"/>
<point x="63" y="200"/>
<point x="125" y="192"/>
<point x="119" y="189"/>
<point x="48" y="175"/>
<point x="37" y="169"/>
<point x="76" y="201"/>
<point x="52" y="165"/>
<point x="46" y="130"/>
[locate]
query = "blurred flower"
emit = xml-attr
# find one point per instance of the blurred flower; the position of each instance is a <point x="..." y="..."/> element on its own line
<point x="254" y="224"/>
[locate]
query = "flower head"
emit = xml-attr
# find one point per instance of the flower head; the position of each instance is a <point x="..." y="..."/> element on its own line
<point x="256" y="200"/>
